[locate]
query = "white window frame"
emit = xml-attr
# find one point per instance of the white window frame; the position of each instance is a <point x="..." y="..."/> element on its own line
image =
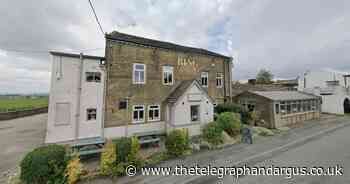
<point x="138" y="81"/>
<point x="138" y="120"/>
<point x="219" y="77"/>
<point x="168" y="69"/>
<point x="153" y="108"/>
<point x="205" y="75"/>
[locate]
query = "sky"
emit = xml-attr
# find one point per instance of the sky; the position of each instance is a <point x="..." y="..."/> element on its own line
<point x="285" y="37"/>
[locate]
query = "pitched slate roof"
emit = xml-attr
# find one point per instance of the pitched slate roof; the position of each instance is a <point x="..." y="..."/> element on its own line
<point x="159" y="44"/>
<point x="181" y="89"/>
<point x="285" y="95"/>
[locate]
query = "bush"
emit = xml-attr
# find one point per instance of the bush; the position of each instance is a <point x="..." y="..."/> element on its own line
<point x="228" y="107"/>
<point x="74" y="169"/>
<point x="123" y="149"/>
<point x="230" y="123"/>
<point x="108" y="158"/>
<point x="245" y="116"/>
<point x="134" y="157"/>
<point x="177" y="143"/>
<point x="212" y="133"/>
<point x="44" y="165"/>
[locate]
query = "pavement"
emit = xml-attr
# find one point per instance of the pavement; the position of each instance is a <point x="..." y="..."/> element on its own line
<point x="17" y="137"/>
<point x="262" y="150"/>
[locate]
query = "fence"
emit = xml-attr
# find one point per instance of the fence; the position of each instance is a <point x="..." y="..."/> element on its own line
<point x="21" y="112"/>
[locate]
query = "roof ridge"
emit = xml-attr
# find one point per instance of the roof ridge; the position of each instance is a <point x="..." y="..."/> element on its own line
<point x="116" y="35"/>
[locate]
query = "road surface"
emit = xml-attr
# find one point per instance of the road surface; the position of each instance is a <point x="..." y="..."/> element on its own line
<point x="17" y="137"/>
<point x="330" y="150"/>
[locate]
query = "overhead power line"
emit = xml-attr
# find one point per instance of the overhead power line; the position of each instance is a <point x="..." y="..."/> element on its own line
<point x="98" y="22"/>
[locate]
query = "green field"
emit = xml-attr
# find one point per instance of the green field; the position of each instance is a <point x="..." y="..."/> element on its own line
<point x="22" y="103"/>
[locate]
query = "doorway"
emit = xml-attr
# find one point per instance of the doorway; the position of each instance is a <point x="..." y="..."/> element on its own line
<point x="346" y="106"/>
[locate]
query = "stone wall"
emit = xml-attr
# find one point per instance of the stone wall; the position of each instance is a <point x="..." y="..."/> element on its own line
<point x="120" y="58"/>
<point x="19" y="114"/>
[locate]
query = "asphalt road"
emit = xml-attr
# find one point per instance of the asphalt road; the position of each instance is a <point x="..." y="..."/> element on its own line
<point x="17" y="137"/>
<point x="327" y="151"/>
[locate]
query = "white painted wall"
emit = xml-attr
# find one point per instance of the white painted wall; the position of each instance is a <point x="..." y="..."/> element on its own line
<point x="120" y="131"/>
<point x="181" y="113"/>
<point x="65" y="77"/>
<point x="316" y="83"/>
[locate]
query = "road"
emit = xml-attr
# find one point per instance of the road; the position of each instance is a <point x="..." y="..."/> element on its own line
<point x="17" y="137"/>
<point x="330" y="150"/>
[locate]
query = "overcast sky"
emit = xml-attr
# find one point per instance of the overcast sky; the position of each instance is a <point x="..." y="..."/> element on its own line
<point x="287" y="37"/>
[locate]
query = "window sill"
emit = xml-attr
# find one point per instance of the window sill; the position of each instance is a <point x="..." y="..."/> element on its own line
<point x="138" y="122"/>
<point x="154" y="120"/>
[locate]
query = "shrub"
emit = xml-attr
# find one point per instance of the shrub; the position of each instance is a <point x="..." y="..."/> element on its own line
<point x="212" y="133"/>
<point x="230" y="123"/>
<point x="245" y="116"/>
<point x="123" y="149"/>
<point x="228" y="107"/>
<point x="74" y="169"/>
<point x="134" y="157"/>
<point x="177" y="143"/>
<point x="108" y="158"/>
<point x="254" y="118"/>
<point x="44" y="165"/>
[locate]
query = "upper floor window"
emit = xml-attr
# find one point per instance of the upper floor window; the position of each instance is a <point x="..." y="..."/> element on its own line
<point x="91" y="114"/>
<point x="219" y="80"/>
<point x="204" y="79"/>
<point x="138" y="113"/>
<point x="93" y="76"/>
<point x="153" y="113"/>
<point x="168" y="75"/>
<point x="139" y="73"/>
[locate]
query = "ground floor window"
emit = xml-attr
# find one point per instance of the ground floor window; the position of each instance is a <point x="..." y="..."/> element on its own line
<point x="153" y="113"/>
<point x="138" y="113"/>
<point x="288" y="107"/>
<point x="194" y="112"/>
<point x="91" y="114"/>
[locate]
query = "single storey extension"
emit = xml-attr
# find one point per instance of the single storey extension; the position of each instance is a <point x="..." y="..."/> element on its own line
<point x="280" y="108"/>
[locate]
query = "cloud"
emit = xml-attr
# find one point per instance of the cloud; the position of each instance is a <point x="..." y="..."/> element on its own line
<point x="286" y="37"/>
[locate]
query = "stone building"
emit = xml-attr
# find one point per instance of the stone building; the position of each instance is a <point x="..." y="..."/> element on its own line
<point x="280" y="108"/>
<point x="144" y="76"/>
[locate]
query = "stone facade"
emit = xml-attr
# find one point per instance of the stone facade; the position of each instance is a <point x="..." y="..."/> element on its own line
<point x="120" y="57"/>
<point x="271" y="112"/>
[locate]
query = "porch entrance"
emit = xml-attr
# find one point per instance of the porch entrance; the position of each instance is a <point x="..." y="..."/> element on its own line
<point x="346" y="106"/>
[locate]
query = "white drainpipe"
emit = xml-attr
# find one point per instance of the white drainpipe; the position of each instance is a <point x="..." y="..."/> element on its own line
<point x="77" y="115"/>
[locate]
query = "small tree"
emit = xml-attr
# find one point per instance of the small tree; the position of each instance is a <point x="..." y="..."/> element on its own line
<point x="74" y="169"/>
<point x="108" y="158"/>
<point x="134" y="157"/>
<point x="264" y="77"/>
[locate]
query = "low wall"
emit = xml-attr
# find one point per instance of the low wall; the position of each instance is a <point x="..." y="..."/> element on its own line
<point x="18" y="114"/>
